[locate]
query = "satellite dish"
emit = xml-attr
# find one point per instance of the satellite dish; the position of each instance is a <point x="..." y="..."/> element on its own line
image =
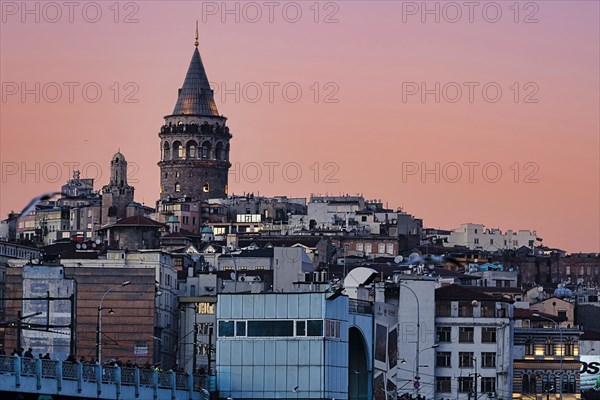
<point x="97" y="241"/>
<point x="398" y="259"/>
<point x="534" y="295"/>
<point x="541" y="289"/>
<point x="232" y="276"/>
<point x="413" y="257"/>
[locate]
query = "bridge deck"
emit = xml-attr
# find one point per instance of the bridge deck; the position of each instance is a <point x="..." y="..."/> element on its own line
<point x="95" y="381"/>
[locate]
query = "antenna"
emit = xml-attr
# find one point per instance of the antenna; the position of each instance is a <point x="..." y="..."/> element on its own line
<point x="196" y="42"/>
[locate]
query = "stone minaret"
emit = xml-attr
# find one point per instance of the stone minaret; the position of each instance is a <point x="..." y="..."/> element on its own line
<point x="194" y="141"/>
<point x="117" y="194"/>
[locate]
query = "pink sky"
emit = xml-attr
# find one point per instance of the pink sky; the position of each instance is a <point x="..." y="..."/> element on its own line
<point x="368" y="137"/>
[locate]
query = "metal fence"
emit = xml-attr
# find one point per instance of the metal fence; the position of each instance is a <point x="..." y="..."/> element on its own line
<point x="88" y="373"/>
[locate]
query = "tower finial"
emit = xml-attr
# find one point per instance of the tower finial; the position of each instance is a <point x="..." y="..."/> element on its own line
<point x="196" y="42"/>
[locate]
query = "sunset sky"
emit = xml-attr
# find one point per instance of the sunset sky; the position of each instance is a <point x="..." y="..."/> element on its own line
<point x="364" y="130"/>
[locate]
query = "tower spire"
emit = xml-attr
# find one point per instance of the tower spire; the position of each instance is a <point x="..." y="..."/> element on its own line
<point x="196" y="42"/>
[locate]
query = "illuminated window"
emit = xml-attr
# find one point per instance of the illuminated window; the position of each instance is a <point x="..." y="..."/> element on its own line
<point x="205" y="308"/>
<point x="177" y="187"/>
<point x="206" y="187"/>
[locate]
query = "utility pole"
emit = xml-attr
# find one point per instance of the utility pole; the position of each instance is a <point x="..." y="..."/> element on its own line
<point x="210" y="333"/>
<point x="195" y="347"/>
<point x="19" y="328"/>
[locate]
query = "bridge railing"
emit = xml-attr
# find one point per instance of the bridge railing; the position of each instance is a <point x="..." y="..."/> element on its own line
<point x="109" y="375"/>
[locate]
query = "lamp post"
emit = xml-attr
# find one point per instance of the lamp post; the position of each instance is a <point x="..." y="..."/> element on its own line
<point x="562" y="351"/>
<point x="99" y="323"/>
<point x="417" y="384"/>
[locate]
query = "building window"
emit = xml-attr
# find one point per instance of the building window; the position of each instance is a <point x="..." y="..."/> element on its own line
<point x="206" y="187"/>
<point x="443" y="309"/>
<point x="465" y="384"/>
<point x="569" y="347"/>
<point x="525" y="384"/>
<point x="332" y="329"/>
<point x="476" y="240"/>
<point x="177" y="187"/>
<point x="368" y="248"/>
<point x="465" y="334"/>
<point x="465" y="359"/>
<point x="443" y="359"/>
<point x="300" y="328"/>
<point x="465" y="309"/>
<point x="443" y="384"/>
<point x="205" y="308"/>
<point x="314" y="327"/>
<point x="381" y="248"/>
<point x="240" y="328"/>
<point x="226" y="328"/>
<point x="488" y="335"/>
<point x="562" y="314"/>
<point x="444" y="334"/>
<point x="488" y="360"/>
<point x="390" y="248"/>
<point x="532" y="384"/>
<point x="488" y="385"/>
<point x="270" y="328"/>
<point x="529" y="348"/>
<point x="487" y="309"/>
<point x="549" y="348"/>
<point x="359" y="247"/>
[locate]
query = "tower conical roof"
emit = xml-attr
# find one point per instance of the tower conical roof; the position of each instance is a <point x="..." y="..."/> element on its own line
<point x="195" y="96"/>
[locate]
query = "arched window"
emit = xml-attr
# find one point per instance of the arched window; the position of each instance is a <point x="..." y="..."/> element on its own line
<point x="206" y="149"/>
<point x="166" y="151"/>
<point x="206" y="187"/>
<point x="525" y="383"/>
<point x="177" y="150"/>
<point x="572" y="384"/>
<point x="552" y="384"/>
<point x="220" y="151"/>
<point x="192" y="147"/>
<point x="177" y="187"/>
<point x="545" y="383"/>
<point x="227" y="152"/>
<point x="532" y="384"/>
<point x="565" y="383"/>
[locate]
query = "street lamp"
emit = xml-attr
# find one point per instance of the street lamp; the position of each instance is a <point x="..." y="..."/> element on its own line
<point x="562" y="351"/>
<point x="99" y="323"/>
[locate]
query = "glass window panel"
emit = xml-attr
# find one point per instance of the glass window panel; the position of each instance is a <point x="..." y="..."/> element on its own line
<point x="225" y="328"/>
<point x="315" y="327"/>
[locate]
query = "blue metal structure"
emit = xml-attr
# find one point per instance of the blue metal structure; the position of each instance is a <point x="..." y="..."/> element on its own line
<point x="54" y="377"/>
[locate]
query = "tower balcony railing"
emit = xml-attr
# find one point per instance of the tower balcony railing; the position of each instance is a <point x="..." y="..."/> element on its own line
<point x="58" y="377"/>
<point x="206" y="128"/>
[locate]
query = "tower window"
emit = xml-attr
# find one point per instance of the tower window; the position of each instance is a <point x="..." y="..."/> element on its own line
<point x="206" y="149"/>
<point x="206" y="187"/>
<point x="177" y="187"/>
<point x="166" y="151"/>
<point x="192" y="149"/>
<point x="177" y="174"/>
<point x="177" y="150"/>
